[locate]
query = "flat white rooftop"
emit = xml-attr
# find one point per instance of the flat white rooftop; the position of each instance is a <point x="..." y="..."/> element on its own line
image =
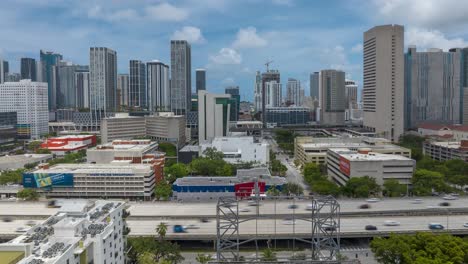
<point x="371" y="156"/>
<point x="447" y="144"/>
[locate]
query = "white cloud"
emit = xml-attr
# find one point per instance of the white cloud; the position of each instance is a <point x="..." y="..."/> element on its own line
<point x="248" y="38"/>
<point x="424" y="39"/>
<point x="283" y="2"/>
<point x="166" y="12"/>
<point x="97" y="12"/>
<point x="191" y="34"/>
<point x="357" y="48"/>
<point x="228" y="81"/>
<point x="427" y="13"/>
<point x="336" y="58"/>
<point x="226" y="56"/>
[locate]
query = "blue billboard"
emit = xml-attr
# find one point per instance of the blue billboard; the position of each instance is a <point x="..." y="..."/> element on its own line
<point x="41" y="180"/>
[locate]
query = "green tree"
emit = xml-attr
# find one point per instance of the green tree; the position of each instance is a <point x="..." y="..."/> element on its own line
<point x="168" y="148"/>
<point x="34" y="145"/>
<point x="11" y="176"/>
<point x="42" y="151"/>
<point x="277" y="167"/>
<point x="325" y="187"/>
<point x="273" y="191"/>
<point x="146" y="258"/>
<point x="161" y="230"/>
<point x="424" y="181"/>
<point x="163" y="190"/>
<point x="167" y="251"/>
<point x="393" y="188"/>
<point x="175" y="171"/>
<point x="203" y="258"/>
<point x="268" y="255"/>
<point x="213" y="154"/>
<point x="211" y="167"/>
<point x="291" y="188"/>
<point x="361" y="187"/>
<point x="28" y="194"/>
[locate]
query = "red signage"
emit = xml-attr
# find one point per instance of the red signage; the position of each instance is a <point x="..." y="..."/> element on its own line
<point x="345" y="167"/>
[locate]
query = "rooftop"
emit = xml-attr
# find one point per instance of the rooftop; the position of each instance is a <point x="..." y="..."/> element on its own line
<point x="23" y="158"/>
<point x="127" y="145"/>
<point x="370" y="156"/>
<point x="431" y="126"/>
<point x="96" y="168"/>
<point x="447" y="144"/>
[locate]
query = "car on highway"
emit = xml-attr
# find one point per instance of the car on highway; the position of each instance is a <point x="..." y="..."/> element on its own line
<point x="31" y="223"/>
<point x="253" y="203"/>
<point x="21" y="229"/>
<point x="310" y="207"/>
<point x="370" y="227"/>
<point x="417" y="201"/>
<point x="244" y="210"/>
<point x="391" y="223"/>
<point x="7" y="219"/>
<point x="436" y="226"/>
<point x="191" y="226"/>
<point x="293" y="206"/>
<point x="444" y="204"/>
<point x="465" y="224"/>
<point x="289" y="221"/>
<point x="373" y="200"/>
<point x="204" y="220"/>
<point x="178" y="229"/>
<point x="449" y="197"/>
<point x="53" y="204"/>
<point x="329" y="227"/>
<point x="364" y="206"/>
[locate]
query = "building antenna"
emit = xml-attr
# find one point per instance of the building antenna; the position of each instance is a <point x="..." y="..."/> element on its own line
<point x="267" y="64"/>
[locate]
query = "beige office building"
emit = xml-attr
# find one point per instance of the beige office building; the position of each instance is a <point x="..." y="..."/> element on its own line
<point x="383" y="89"/>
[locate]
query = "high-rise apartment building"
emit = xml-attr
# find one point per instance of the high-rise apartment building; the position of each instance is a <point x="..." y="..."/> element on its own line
<point x="235" y="96"/>
<point x="351" y="94"/>
<point x="159" y="93"/>
<point x="82" y="88"/>
<point x="137" y="86"/>
<point x="29" y="100"/>
<point x="258" y="92"/>
<point x="200" y="79"/>
<point x="181" y="82"/>
<point x="433" y="87"/>
<point x="3" y="71"/>
<point x="213" y="115"/>
<point x="383" y="88"/>
<point x="314" y="85"/>
<point x="274" y="94"/>
<point x="67" y="92"/>
<point x="123" y="86"/>
<point x="464" y="85"/>
<point x="28" y="69"/>
<point x="270" y="75"/>
<point x="103" y="79"/>
<point x="293" y="92"/>
<point x="48" y="60"/>
<point x="332" y="99"/>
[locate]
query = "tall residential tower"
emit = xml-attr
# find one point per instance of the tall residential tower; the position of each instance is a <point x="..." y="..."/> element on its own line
<point x="181" y="67"/>
<point x="159" y="93"/>
<point x="103" y="79"/>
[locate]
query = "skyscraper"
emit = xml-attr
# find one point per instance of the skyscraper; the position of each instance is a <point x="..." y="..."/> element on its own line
<point x="67" y="94"/>
<point x="274" y="94"/>
<point x="464" y="113"/>
<point x="213" y="115"/>
<point x="235" y="96"/>
<point x="181" y="81"/>
<point x="383" y="88"/>
<point x="270" y="75"/>
<point x="28" y="69"/>
<point x="137" y="86"/>
<point x="351" y="94"/>
<point x="200" y="79"/>
<point x="82" y="88"/>
<point x="122" y="85"/>
<point x="433" y="87"/>
<point x="159" y="93"/>
<point x="103" y="79"/>
<point x="48" y="60"/>
<point x="3" y="71"/>
<point x="258" y="92"/>
<point x="332" y="100"/>
<point x="293" y="92"/>
<point x="314" y="85"/>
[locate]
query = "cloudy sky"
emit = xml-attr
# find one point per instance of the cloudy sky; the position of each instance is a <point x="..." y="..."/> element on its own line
<point x="230" y="38"/>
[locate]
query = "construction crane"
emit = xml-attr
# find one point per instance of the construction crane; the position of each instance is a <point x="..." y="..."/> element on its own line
<point x="268" y="65"/>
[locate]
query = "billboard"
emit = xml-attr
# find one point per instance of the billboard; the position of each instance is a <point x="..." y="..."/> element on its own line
<point x="41" y="180"/>
<point x="345" y="167"/>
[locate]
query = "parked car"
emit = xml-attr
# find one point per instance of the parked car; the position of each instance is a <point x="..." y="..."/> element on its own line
<point x="370" y="227"/>
<point x="178" y="229"/>
<point x="436" y="226"/>
<point x="391" y="223"/>
<point x="364" y="206"/>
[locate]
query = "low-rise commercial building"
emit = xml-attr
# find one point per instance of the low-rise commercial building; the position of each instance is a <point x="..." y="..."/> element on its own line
<point x="68" y="144"/>
<point x="80" y="232"/>
<point x="343" y="164"/>
<point x="446" y="150"/>
<point x="162" y="127"/>
<point x="239" y="149"/>
<point x="118" y="179"/>
<point x="456" y="132"/>
<point x="314" y="150"/>
<point x="205" y="188"/>
<point x="13" y="162"/>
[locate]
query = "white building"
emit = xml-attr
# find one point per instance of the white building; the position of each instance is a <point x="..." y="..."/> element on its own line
<point x="239" y="149"/>
<point x="446" y="150"/>
<point x="80" y="232"/>
<point x="343" y="164"/>
<point x="118" y="179"/>
<point x="456" y="132"/>
<point x="103" y="79"/>
<point x="351" y="91"/>
<point x="121" y="150"/>
<point x="213" y="115"/>
<point x="293" y="92"/>
<point x="157" y="84"/>
<point x="30" y="101"/>
<point x="274" y="93"/>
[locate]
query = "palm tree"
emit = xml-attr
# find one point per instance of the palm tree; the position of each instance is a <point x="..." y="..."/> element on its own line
<point x="161" y="230"/>
<point x="268" y="255"/>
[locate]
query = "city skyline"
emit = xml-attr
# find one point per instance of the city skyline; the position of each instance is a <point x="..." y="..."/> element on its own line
<point x="230" y="54"/>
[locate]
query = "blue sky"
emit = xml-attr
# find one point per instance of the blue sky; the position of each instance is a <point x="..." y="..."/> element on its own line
<point x="231" y="39"/>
